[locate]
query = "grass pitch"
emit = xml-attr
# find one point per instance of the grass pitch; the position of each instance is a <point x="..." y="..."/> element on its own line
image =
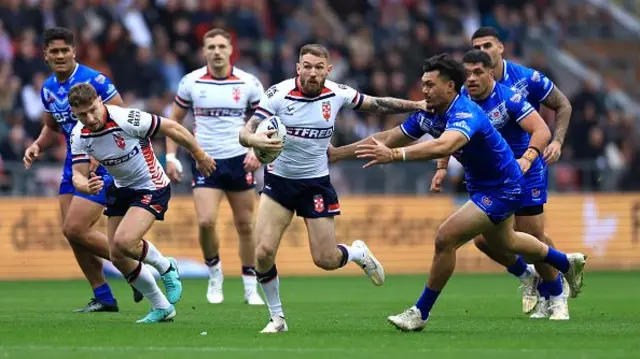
<point x="477" y="316"/>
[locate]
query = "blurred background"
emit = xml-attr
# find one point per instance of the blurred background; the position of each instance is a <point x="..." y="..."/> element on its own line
<point x="588" y="48"/>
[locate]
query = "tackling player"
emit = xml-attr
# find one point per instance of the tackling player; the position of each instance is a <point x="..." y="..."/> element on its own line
<point x="298" y="180"/>
<point x="120" y="139"/>
<point x="537" y="89"/>
<point x="526" y="133"/>
<point x="461" y="129"/>
<point x="220" y="96"/>
<point x="79" y="211"/>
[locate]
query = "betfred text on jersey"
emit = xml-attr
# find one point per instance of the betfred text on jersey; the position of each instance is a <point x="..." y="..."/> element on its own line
<point x="310" y="132"/>
<point x="120" y="160"/>
<point x="219" y="112"/>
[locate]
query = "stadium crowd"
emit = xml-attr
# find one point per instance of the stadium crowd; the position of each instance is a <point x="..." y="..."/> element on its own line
<point x="146" y="46"/>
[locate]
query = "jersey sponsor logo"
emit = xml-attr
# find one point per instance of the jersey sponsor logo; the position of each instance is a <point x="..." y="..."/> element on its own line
<point x="65" y="116"/>
<point x="463" y="115"/>
<point x="536" y="76"/>
<point x="235" y="93"/>
<point x="219" y="112"/>
<point x="271" y="91"/>
<point x="318" y="203"/>
<point x="119" y="140"/>
<point x="427" y="125"/>
<point x="535" y="193"/>
<point x="100" y="79"/>
<point x="314" y="133"/>
<point x="120" y="160"/>
<point x="326" y="110"/>
<point x="461" y="125"/>
<point x="516" y="97"/>
<point x="134" y="118"/>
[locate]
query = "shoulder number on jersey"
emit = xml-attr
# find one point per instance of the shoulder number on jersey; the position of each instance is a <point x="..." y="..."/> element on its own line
<point x="271" y="91"/>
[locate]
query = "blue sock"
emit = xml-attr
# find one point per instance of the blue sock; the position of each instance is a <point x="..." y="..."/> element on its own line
<point x="518" y="268"/>
<point x="555" y="286"/>
<point x="558" y="260"/>
<point x="543" y="289"/>
<point x="103" y="294"/>
<point x="426" y="301"/>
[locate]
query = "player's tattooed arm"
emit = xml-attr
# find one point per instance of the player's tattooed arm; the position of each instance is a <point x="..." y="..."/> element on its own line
<point x="559" y="103"/>
<point x="389" y="105"/>
<point x="248" y="130"/>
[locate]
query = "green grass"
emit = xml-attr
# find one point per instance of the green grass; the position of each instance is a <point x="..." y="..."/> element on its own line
<point x="329" y="317"/>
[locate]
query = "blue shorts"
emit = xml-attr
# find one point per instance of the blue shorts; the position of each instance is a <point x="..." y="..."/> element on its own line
<point x="308" y="198"/>
<point x="229" y="176"/>
<point x="534" y="193"/>
<point x="498" y="205"/>
<point x="66" y="187"/>
<point x="120" y="199"/>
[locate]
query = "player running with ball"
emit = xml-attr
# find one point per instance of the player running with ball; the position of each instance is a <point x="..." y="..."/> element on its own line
<point x="298" y="180"/>
<point x="120" y="139"/>
<point x="461" y="129"/>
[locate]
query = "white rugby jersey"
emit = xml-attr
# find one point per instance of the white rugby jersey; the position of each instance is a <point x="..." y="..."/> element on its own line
<point x="310" y="122"/>
<point x="123" y="146"/>
<point x="219" y="107"/>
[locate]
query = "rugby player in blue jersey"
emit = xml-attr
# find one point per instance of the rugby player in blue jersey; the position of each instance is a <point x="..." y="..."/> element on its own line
<point x="527" y="134"/>
<point x="538" y="90"/>
<point x="493" y="177"/>
<point x="79" y="211"/>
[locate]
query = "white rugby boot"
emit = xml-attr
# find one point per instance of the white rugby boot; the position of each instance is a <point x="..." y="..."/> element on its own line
<point x="408" y="321"/>
<point x="369" y="264"/>
<point x="276" y="324"/>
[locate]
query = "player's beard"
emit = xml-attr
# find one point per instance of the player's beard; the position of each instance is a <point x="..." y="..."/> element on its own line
<point x="312" y="89"/>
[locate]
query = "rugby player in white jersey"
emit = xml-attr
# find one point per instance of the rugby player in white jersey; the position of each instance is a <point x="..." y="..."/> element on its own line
<point x="221" y="97"/>
<point x="298" y="180"/>
<point x="120" y="139"/>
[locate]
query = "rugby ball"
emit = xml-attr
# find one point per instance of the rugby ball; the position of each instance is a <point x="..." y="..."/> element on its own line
<point x="270" y="123"/>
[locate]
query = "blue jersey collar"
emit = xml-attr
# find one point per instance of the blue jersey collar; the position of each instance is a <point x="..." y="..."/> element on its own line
<point x="70" y="76"/>
<point x="451" y="104"/>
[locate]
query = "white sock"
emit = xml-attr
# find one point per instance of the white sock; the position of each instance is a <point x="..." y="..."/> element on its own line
<point x="216" y="270"/>
<point x="155" y="259"/>
<point x="271" y="292"/>
<point x="355" y="254"/>
<point x="146" y="284"/>
<point x="250" y="283"/>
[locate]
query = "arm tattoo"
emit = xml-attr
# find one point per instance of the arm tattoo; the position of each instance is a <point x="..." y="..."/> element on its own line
<point x="559" y="103"/>
<point x="389" y="106"/>
<point x="252" y="124"/>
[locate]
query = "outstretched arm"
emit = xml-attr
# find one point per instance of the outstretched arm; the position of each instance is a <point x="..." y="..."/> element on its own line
<point x="444" y="146"/>
<point x="389" y="105"/>
<point x="390" y="138"/>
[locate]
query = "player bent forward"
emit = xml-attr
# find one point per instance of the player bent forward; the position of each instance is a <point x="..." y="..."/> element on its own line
<point x="298" y="180"/>
<point x="120" y="139"/>
<point x="461" y="129"/>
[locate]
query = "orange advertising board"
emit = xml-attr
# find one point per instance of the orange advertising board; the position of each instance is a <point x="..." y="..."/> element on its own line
<point x="400" y="230"/>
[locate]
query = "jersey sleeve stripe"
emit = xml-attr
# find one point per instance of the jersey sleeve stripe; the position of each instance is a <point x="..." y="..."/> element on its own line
<point x="262" y="113"/>
<point x="524" y="115"/>
<point x="182" y="102"/>
<point x="80" y="160"/>
<point x="548" y="92"/>
<point x="459" y="130"/>
<point x="105" y="100"/>
<point x="155" y="126"/>
<point x="406" y="133"/>
<point x="254" y="104"/>
<point x="357" y="100"/>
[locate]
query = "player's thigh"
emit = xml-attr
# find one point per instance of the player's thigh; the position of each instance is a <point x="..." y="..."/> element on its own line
<point x="207" y="203"/>
<point x="133" y="226"/>
<point x="82" y="214"/>
<point x="272" y="220"/>
<point x="462" y="226"/>
<point x="242" y="203"/>
<point x="322" y="236"/>
<point x="532" y="224"/>
<point x="501" y="235"/>
<point x="64" y="201"/>
<point x="112" y="226"/>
